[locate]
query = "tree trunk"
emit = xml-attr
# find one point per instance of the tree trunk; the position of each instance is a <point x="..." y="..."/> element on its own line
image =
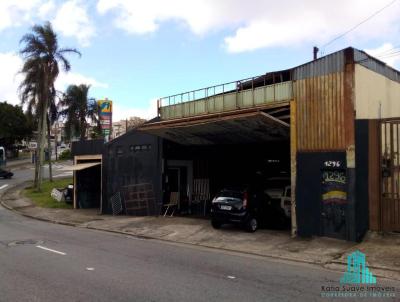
<point x="83" y="130"/>
<point x="43" y="121"/>
<point x="56" y="141"/>
<point x="37" y="166"/>
<point x="49" y="148"/>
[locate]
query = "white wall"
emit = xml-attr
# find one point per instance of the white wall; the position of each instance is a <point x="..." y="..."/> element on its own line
<point x="375" y="95"/>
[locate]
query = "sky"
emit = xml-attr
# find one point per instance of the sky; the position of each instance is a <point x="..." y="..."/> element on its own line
<point x="134" y="52"/>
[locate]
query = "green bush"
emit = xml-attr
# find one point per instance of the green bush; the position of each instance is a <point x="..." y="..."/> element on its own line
<point x="66" y="154"/>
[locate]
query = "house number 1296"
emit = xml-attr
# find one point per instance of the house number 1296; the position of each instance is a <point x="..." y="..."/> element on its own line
<point x="332" y="163"/>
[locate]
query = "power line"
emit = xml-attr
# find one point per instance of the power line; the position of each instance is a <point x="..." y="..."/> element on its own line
<point x="389" y="50"/>
<point x="384" y="56"/>
<point x="362" y="22"/>
<point x="393" y="54"/>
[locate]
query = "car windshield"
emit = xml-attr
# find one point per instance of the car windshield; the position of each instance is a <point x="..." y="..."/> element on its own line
<point x="230" y="193"/>
<point x="277" y="182"/>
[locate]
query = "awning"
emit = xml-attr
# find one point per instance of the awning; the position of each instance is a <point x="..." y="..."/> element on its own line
<point x="78" y="167"/>
<point x="254" y="127"/>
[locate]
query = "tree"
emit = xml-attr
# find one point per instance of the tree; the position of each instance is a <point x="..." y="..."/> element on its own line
<point x="78" y="109"/>
<point x="42" y="56"/>
<point x="134" y="122"/>
<point x="14" y="125"/>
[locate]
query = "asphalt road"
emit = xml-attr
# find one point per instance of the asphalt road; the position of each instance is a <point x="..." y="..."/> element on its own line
<point x="41" y="261"/>
<point x="27" y="173"/>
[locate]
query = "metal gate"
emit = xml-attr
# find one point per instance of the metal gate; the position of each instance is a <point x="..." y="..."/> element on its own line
<point x="390" y="177"/>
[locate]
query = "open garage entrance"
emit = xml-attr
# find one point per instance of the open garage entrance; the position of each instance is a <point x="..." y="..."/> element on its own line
<point x="205" y="155"/>
<point x="87" y="181"/>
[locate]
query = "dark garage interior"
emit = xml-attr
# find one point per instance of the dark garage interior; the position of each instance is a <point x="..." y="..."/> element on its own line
<point x="88" y="183"/>
<point x="220" y="166"/>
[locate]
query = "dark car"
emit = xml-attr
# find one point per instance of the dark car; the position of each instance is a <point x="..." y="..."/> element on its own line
<point x="246" y="207"/>
<point x="6" y="174"/>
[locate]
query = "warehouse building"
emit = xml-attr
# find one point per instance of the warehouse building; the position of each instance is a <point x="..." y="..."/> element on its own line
<point x="329" y="127"/>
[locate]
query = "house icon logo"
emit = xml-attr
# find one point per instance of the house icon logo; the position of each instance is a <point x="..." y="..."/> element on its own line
<point x="357" y="270"/>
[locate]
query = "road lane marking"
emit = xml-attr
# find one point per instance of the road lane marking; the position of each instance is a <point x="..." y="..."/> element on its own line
<point x="231" y="277"/>
<point x="90" y="268"/>
<point x="50" y="250"/>
<point x="3" y="186"/>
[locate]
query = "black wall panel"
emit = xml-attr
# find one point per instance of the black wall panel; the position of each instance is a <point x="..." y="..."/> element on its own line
<point x="131" y="159"/>
<point x="362" y="164"/>
<point x="309" y="189"/>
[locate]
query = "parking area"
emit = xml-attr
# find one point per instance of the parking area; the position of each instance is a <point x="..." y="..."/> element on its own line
<point x="247" y="154"/>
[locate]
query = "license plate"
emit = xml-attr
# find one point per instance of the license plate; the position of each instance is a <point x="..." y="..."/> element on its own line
<point x="224" y="207"/>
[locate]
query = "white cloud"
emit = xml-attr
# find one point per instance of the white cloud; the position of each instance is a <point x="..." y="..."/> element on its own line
<point x="70" y="18"/>
<point x="46" y="9"/>
<point x="72" y="21"/>
<point x="122" y="112"/>
<point x="259" y="23"/>
<point x="318" y="23"/>
<point x="73" y="78"/>
<point x="251" y="37"/>
<point x="14" y="13"/>
<point x="9" y="78"/>
<point x="142" y="17"/>
<point x="386" y="53"/>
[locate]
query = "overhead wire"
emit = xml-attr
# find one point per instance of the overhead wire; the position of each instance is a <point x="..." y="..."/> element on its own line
<point x="357" y="25"/>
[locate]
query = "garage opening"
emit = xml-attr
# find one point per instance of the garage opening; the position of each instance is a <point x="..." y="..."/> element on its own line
<point x="248" y="150"/>
<point x="87" y="181"/>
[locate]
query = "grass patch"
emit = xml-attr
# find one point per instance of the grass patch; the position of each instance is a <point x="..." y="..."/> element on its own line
<point x="43" y="199"/>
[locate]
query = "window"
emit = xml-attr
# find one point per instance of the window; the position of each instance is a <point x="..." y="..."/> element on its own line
<point x="139" y="148"/>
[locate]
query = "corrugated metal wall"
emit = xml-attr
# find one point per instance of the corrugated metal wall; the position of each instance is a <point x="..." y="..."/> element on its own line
<point x="320" y="112"/>
<point x="373" y="64"/>
<point x="329" y="64"/>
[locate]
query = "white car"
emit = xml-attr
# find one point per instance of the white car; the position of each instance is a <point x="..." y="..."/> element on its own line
<point x="278" y="189"/>
<point x="286" y="201"/>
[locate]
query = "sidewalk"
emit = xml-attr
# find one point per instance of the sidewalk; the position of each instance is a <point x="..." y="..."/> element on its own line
<point x="382" y="251"/>
<point x="18" y="163"/>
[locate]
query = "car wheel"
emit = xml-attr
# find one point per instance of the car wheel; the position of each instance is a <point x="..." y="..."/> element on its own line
<point x="216" y="224"/>
<point x="252" y="225"/>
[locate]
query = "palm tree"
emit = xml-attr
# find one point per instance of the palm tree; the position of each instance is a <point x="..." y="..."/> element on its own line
<point x="78" y="109"/>
<point x="42" y="56"/>
<point x="52" y="116"/>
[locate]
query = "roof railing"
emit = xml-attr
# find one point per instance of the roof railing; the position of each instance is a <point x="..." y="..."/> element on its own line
<point x="202" y="93"/>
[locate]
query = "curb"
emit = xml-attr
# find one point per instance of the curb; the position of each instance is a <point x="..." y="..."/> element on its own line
<point x="80" y="225"/>
<point x="18" y="165"/>
<point x="341" y="267"/>
<point x="395" y="270"/>
<point x="202" y="245"/>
